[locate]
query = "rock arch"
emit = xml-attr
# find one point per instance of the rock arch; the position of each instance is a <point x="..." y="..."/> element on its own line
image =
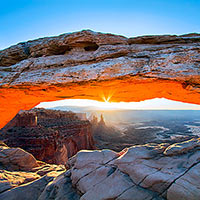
<point x="90" y="65"/>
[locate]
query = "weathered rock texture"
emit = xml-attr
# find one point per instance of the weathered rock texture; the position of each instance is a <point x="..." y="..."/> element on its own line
<point x="51" y="136"/>
<point x="144" y="172"/>
<point x="98" y="66"/>
<point x="90" y="65"/>
<point x="22" y="176"/>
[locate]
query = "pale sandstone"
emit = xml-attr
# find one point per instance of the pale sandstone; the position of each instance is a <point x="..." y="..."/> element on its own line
<point x="144" y="170"/>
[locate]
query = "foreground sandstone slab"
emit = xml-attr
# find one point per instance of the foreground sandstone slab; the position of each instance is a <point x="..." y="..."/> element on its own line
<point x="143" y="172"/>
<point x="139" y="172"/>
<point x="22" y="176"/>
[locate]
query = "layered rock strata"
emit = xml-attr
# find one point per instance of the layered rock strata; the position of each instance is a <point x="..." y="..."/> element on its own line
<point x="22" y="176"/>
<point x="143" y="172"/>
<point x="51" y="136"/>
<point x="91" y="65"/>
<point x="146" y="172"/>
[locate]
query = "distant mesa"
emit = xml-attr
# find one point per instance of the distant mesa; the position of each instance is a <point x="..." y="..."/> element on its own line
<point x="51" y="136"/>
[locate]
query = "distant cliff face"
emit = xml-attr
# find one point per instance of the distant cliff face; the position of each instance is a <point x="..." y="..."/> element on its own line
<point x="51" y="136"/>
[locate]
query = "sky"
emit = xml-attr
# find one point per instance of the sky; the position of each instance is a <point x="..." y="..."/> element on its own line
<point x="22" y="20"/>
<point x="152" y="104"/>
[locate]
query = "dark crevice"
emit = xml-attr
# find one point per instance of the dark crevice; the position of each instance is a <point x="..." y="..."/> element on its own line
<point x="55" y="50"/>
<point x="87" y="46"/>
<point x="111" y="171"/>
<point x="96" y="169"/>
<point x="154" y="194"/>
<point x="60" y="50"/>
<point x="91" y="47"/>
<point x="179" y="177"/>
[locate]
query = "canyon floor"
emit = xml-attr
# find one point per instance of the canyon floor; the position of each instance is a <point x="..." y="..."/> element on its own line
<point x="142" y="127"/>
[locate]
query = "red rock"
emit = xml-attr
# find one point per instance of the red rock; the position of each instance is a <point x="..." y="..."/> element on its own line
<point x="51" y="136"/>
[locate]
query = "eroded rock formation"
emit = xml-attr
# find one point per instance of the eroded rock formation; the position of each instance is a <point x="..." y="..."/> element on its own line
<point x="22" y="176"/>
<point x="143" y="172"/>
<point x="90" y="65"/>
<point x="51" y="136"/>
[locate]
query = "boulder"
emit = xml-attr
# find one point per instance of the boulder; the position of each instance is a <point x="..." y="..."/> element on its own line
<point x="22" y="176"/>
<point x="139" y="172"/>
<point x="16" y="159"/>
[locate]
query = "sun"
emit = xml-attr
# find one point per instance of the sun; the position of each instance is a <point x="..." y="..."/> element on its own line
<point x="106" y="100"/>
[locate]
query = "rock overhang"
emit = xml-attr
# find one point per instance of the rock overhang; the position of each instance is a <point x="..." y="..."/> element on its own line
<point x="90" y="65"/>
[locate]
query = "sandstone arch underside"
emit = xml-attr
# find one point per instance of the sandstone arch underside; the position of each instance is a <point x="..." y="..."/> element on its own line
<point x="90" y="65"/>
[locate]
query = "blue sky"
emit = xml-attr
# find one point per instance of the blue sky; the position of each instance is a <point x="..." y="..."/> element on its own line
<point x="23" y="20"/>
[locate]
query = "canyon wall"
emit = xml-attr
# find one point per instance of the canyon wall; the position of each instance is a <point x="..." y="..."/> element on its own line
<point x="51" y="136"/>
<point x="91" y="65"/>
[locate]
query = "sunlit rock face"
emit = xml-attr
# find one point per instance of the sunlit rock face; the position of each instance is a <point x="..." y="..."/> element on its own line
<point x="51" y="136"/>
<point x="22" y="176"/>
<point x="142" y="172"/>
<point x="90" y="65"/>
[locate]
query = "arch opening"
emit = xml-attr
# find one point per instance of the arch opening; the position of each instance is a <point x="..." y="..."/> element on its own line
<point x="124" y="89"/>
<point x="117" y="125"/>
<point x="102" y="124"/>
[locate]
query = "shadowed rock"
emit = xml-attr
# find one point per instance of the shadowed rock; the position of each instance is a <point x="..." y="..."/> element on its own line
<point x="137" y="173"/>
<point x="22" y="176"/>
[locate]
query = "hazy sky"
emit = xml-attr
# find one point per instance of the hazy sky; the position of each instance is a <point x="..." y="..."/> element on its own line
<point x="152" y="104"/>
<point x="22" y="20"/>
